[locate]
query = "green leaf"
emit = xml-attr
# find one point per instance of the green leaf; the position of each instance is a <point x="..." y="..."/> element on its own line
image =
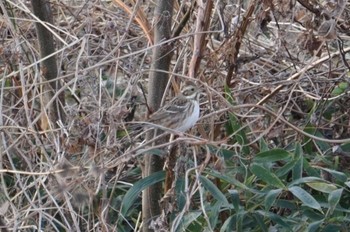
<point x="340" y="89"/>
<point x="343" y="85"/>
<point x="345" y="147"/>
<point x="228" y="224"/>
<point x="221" y="152"/>
<point x="290" y="205"/>
<point x="187" y="219"/>
<point x="286" y="168"/>
<point x="179" y="191"/>
<point x="271" y="197"/>
<point x="260" y="221"/>
<point x="314" y="226"/>
<point x="310" y="170"/>
<point x="267" y="176"/>
<point x="337" y="91"/>
<point x="298" y="168"/>
<point x="323" y="146"/>
<point x="282" y="221"/>
<point x="305" y="197"/>
<point x="137" y="188"/>
<point x="306" y="180"/>
<point x="235" y="196"/>
<point x="217" y="194"/>
<point x="298" y="151"/>
<point x="263" y="145"/>
<point x="322" y="186"/>
<point x="239" y="220"/>
<point x="340" y="176"/>
<point x="213" y="212"/>
<point x="333" y="199"/>
<point x="331" y="228"/>
<point x="235" y="127"/>
<point x="230" y="180"/>
<point x="271" y="156"/>
<point x="347" y="183"/>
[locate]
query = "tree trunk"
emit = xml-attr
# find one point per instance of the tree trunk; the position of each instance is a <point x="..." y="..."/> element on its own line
<point x="157" y="83"/>
<point x="42" y="10"/>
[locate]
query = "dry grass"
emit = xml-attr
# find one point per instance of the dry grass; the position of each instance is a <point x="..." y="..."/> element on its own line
<point x="69" y="176"/>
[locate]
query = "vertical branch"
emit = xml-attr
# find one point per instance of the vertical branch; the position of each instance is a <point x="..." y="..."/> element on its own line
<point x="42" y="10"/>
<point x="157" y="83"/>
<point x="202" y="24"/>
<point x="235" y="44"/>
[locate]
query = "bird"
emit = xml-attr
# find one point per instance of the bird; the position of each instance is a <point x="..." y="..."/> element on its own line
<point x="181" y="113"/>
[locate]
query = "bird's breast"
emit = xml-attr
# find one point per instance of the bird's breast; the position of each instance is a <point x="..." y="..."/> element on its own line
<point x="191" y="120"/>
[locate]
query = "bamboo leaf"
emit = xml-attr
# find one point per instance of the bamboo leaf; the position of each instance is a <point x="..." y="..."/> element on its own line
<point x="305" y="197"/>
<point x="267" y="176"/>
<point x="217" y="194"/>
<point x="137" y="188"/>
<point x="271" y="156"/>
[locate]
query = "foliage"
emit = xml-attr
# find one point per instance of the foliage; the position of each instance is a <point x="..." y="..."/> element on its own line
<point x="270" y="152"/>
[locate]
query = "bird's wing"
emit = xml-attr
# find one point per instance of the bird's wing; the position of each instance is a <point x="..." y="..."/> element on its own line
<point x="175" y="106"/>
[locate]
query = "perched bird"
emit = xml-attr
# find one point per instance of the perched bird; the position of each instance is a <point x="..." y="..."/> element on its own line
<point x="181" y="113"/>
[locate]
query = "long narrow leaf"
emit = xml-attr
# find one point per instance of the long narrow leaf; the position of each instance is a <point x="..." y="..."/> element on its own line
<point x="137" y="188"/>
<point x="271" y="156"/>
<point x="217" y="194"/>
<point x="305" y="197"/>
<point x="271" y="197"/>
<point x="267" y="176"/>
<point x="333" y="199"/>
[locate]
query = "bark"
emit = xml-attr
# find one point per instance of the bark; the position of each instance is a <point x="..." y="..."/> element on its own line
<point x="157" y="83"/>
<point x="42" y="10"/>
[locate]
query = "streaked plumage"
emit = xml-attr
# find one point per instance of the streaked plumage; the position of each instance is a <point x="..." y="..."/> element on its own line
<point x="181" y="113"/>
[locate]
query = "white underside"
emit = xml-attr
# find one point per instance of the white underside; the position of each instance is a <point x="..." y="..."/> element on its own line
<point x="190" y="121"/>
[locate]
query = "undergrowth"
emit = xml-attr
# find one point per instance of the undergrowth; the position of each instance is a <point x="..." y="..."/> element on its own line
<point x="270" y="152"/>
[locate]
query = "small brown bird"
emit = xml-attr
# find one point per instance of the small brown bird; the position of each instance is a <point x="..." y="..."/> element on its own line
<point x="181" y="113"/>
